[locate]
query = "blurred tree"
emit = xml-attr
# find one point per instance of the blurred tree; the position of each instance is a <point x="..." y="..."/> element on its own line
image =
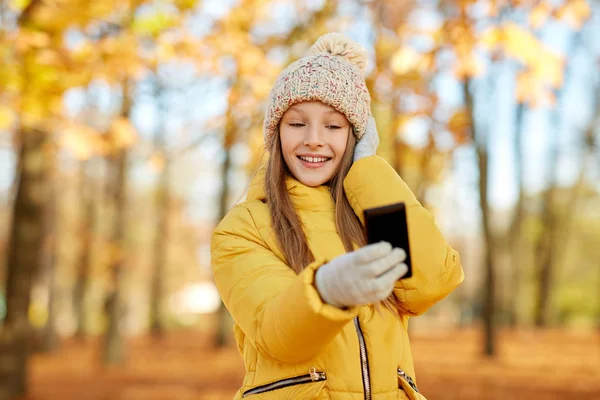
<point x="27" y="76"/>
<point x="87" y="228"/>
<point x="515" y="230"/>
<point x="47" y="339"/>
<point x="541" y="73"/>
<point x="163" y="200"/>
<point x="122" y="133"/>
<point x="546" y="244"/>
<point x="229" y="137"/>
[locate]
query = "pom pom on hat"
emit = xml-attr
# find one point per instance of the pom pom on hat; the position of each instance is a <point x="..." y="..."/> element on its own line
<point x="340" y="45"/>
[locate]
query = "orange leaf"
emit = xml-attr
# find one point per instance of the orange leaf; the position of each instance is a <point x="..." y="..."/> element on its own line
<point x="468" y="66"/>
<point x="124" y="133"/>
<point x="79" y="140"/>
<point x="460" y="126"/>
<point x="539" y="15"/>
<point x="157" y="162"/>
<point x="574" y="13"/>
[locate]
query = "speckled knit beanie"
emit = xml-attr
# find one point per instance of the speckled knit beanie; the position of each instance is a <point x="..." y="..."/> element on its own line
<point x="332" y="73"/>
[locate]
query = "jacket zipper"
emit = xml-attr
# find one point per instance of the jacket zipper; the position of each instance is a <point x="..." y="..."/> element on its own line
<point x="364" y="361"/>
<point x="408" y="379"/>
<point x="312" y="376"/>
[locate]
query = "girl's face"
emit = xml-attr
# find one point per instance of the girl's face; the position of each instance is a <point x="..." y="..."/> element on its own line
<point x="313" y="140"/>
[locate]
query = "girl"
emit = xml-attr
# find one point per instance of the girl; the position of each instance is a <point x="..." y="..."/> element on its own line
<point x="319" y="315"/>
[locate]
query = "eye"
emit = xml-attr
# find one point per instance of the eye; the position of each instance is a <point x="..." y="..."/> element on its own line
<point x="296" y="125"/>
<point x="333" y="127"/>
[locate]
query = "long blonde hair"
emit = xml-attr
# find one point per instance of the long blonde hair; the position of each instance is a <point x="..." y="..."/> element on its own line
<point x="287" y="226"/>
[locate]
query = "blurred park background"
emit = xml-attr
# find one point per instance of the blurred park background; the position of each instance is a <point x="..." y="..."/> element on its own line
<point x="129" y="127"/>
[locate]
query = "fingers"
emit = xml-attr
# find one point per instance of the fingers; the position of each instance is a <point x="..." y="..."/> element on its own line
<point x="384" y="283"/>
<point x="384" y="264"/>
<point x="372" y="252"/>
<point x="390" y="277"/>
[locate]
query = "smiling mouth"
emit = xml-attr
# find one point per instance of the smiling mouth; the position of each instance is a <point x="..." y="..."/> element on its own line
<point x="314" y="160"/>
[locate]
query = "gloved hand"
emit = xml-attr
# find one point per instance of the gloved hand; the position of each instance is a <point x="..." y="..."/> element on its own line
<point x="364" y="276"/>
<point x="367" y="145"/>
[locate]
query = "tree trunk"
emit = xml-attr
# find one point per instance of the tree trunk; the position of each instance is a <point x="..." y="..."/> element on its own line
<point x="23" y="258"/>
<point x="489" y="309"/>
<point x="546" y="247"/>
<point x="515" y="231"/>
<point x="160" y="252"/>
<point x="223" y="317"/>
<point x="48" y="338"/>
<point x="113" y="352"/>
<point x="86" y="234"/>
<point x="545" y="257"/>
<point x="161" y="238"/>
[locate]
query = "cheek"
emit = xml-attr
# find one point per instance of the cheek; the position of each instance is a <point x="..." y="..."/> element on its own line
<point x="339" y="145"/>
<point x="287" y="144"/>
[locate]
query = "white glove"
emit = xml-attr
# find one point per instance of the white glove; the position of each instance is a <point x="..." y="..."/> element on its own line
<point x="364" y="276"/>
<point x="367" y="145"/>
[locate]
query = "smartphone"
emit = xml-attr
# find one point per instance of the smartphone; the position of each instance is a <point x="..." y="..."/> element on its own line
<point x="389" y="223"/>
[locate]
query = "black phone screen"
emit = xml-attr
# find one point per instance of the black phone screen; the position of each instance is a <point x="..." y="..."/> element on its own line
<point x="389" y="223"/>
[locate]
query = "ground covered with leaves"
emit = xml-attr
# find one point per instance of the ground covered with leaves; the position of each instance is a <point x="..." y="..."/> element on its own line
<point x="530" y="365"/>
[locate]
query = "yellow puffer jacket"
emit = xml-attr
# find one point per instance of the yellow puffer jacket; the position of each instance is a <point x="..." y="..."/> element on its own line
<point x="295" y="346"/>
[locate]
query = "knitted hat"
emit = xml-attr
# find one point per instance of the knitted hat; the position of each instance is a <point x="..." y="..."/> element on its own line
<point x="332" y="73"/>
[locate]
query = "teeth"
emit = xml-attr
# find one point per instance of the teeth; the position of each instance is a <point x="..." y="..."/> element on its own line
<point x="313" y="159"/>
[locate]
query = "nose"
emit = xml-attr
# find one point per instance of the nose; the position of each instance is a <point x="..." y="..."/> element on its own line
<point x="313" y="137"/>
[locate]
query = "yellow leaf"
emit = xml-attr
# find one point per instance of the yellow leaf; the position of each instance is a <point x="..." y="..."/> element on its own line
<point x="427" y="62"/>
<point x="261" y="86"/>
<point x="165" y="51"/>
<point x="123" y="133"/>
<point x="26" y="39"/>
<point x="519" y="43"/>
<point x="84" y="52"/>
<point x="48" y="57"/>
<point x="250" y="61"/>
<point x="19" y="5"/>
<point x="154" y="24"/>
<point x="78" y="139"/>
<point x="549" y="68"/>
<point x="492" y="8"/>
<point x="157" y="162"/>
<point x="532" y="90"/>
<point x="491" y="37"/>
<point x="404" y="61"/>
<point x="186" y="4"/>
<point x="7" y="117"/>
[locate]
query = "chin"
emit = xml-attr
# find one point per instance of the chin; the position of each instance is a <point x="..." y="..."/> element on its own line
<point x="313" y="181"/>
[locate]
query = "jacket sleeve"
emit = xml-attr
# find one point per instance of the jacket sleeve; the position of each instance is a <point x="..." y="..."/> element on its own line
<point x="280" y="312"/>
<point x="372" y="182"/>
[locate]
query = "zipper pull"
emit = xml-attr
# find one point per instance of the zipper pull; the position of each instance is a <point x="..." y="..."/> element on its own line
<point x="408" y="379"/>
<point x="315" y="375"/>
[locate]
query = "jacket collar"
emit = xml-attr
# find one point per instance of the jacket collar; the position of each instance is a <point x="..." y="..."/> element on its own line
<point x="303" y="197"/>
